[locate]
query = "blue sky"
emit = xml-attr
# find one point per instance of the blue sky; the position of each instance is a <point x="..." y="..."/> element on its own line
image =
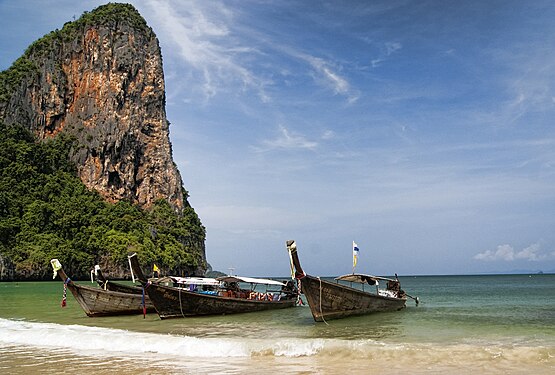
<point x="422" y="130"/>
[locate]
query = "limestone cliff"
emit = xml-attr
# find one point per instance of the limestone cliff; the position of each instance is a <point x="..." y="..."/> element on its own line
<point x="100" y="79"/>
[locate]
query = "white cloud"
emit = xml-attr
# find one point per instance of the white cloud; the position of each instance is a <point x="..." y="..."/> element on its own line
<point x="325" y="73"/>
<point x="205" y="42"/>
<point x="328" y="134"/>
<point x="507" y="253"/>
<point x="211" y="40"/>
<point x="392" y="47"/>
<point x="503" y="252"/>
<point x="388" y="49"/>
<point x="339" y="84"/>
<point x="287" y="140"/>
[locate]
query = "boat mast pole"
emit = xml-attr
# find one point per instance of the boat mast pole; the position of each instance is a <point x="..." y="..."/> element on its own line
<point x="136" y="268"/>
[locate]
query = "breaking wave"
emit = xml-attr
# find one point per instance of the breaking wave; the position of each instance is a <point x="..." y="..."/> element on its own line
<point x="85" y="341"/>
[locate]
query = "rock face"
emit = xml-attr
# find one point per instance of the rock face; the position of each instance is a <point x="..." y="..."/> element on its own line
<point x="100" y="79"/>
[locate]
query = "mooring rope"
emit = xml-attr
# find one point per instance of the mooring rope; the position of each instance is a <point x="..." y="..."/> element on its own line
<point x="144" y="304"/>
<point x="321" y="313"/>
<point x="180" y="305"/>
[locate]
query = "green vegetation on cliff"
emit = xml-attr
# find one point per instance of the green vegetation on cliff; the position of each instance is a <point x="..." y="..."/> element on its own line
<point x="46" y="212"/>
<point x="12" y="77"/>
<point x="109" y="15"/>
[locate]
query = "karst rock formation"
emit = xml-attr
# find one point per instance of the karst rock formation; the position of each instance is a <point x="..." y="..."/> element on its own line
<point x="100" y="79"/>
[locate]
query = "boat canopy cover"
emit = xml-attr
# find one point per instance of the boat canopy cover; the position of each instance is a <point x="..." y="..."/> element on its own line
<point x="188" y="280"/>
<point x="361" y="278"/>
<point x="252" y="280"/>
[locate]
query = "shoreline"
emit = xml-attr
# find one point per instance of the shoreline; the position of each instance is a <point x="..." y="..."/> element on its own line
<point x="78" y="347"/>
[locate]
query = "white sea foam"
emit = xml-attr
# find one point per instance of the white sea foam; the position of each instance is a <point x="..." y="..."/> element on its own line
<point x="294" y="347"/>
<point x="110" y="341"/>
<point x="107" y="342"/>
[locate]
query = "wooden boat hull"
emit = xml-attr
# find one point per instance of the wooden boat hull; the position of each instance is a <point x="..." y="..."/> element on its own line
<point x="100" y="302"/>
<point x="171" y="302"/>
<point x="329" y="300"/>
<point x="116" y="287"/>
<point x="105" y="284"/>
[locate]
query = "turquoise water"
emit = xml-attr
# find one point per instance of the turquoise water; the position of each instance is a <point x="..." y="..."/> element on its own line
<point x="481" y="324"/>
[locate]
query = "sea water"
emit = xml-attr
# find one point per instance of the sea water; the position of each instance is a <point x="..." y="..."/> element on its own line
<point x="502" y="324"/>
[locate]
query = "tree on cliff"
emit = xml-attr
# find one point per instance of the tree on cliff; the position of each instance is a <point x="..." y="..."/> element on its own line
<point x="46" y="212"/>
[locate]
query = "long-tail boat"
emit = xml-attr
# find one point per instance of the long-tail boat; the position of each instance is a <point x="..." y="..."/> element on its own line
<point x="181" y="300"/>
<point x="334" y="300"/>
<point x="100" y="302"/>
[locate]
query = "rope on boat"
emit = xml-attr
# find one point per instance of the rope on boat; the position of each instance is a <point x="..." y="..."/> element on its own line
<point x="64" y="294"/>
<point x="299" y="299"/>
<point x="143" y="302"/>
<point x="180" y="305"/>
<point x="321" y="313"/>
<point x="416" y="299"/>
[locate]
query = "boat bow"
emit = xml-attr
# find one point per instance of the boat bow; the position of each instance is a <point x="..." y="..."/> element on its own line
<point x="296" y="269"/>
<point x="101" y="302"/>
<point x="136" y="271"/>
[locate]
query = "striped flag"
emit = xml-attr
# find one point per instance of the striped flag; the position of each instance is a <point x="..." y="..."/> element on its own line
<point x="355" y="254"/>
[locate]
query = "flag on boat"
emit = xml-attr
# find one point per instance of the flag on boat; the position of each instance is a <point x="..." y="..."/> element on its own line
<point x="355" y="254"/>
